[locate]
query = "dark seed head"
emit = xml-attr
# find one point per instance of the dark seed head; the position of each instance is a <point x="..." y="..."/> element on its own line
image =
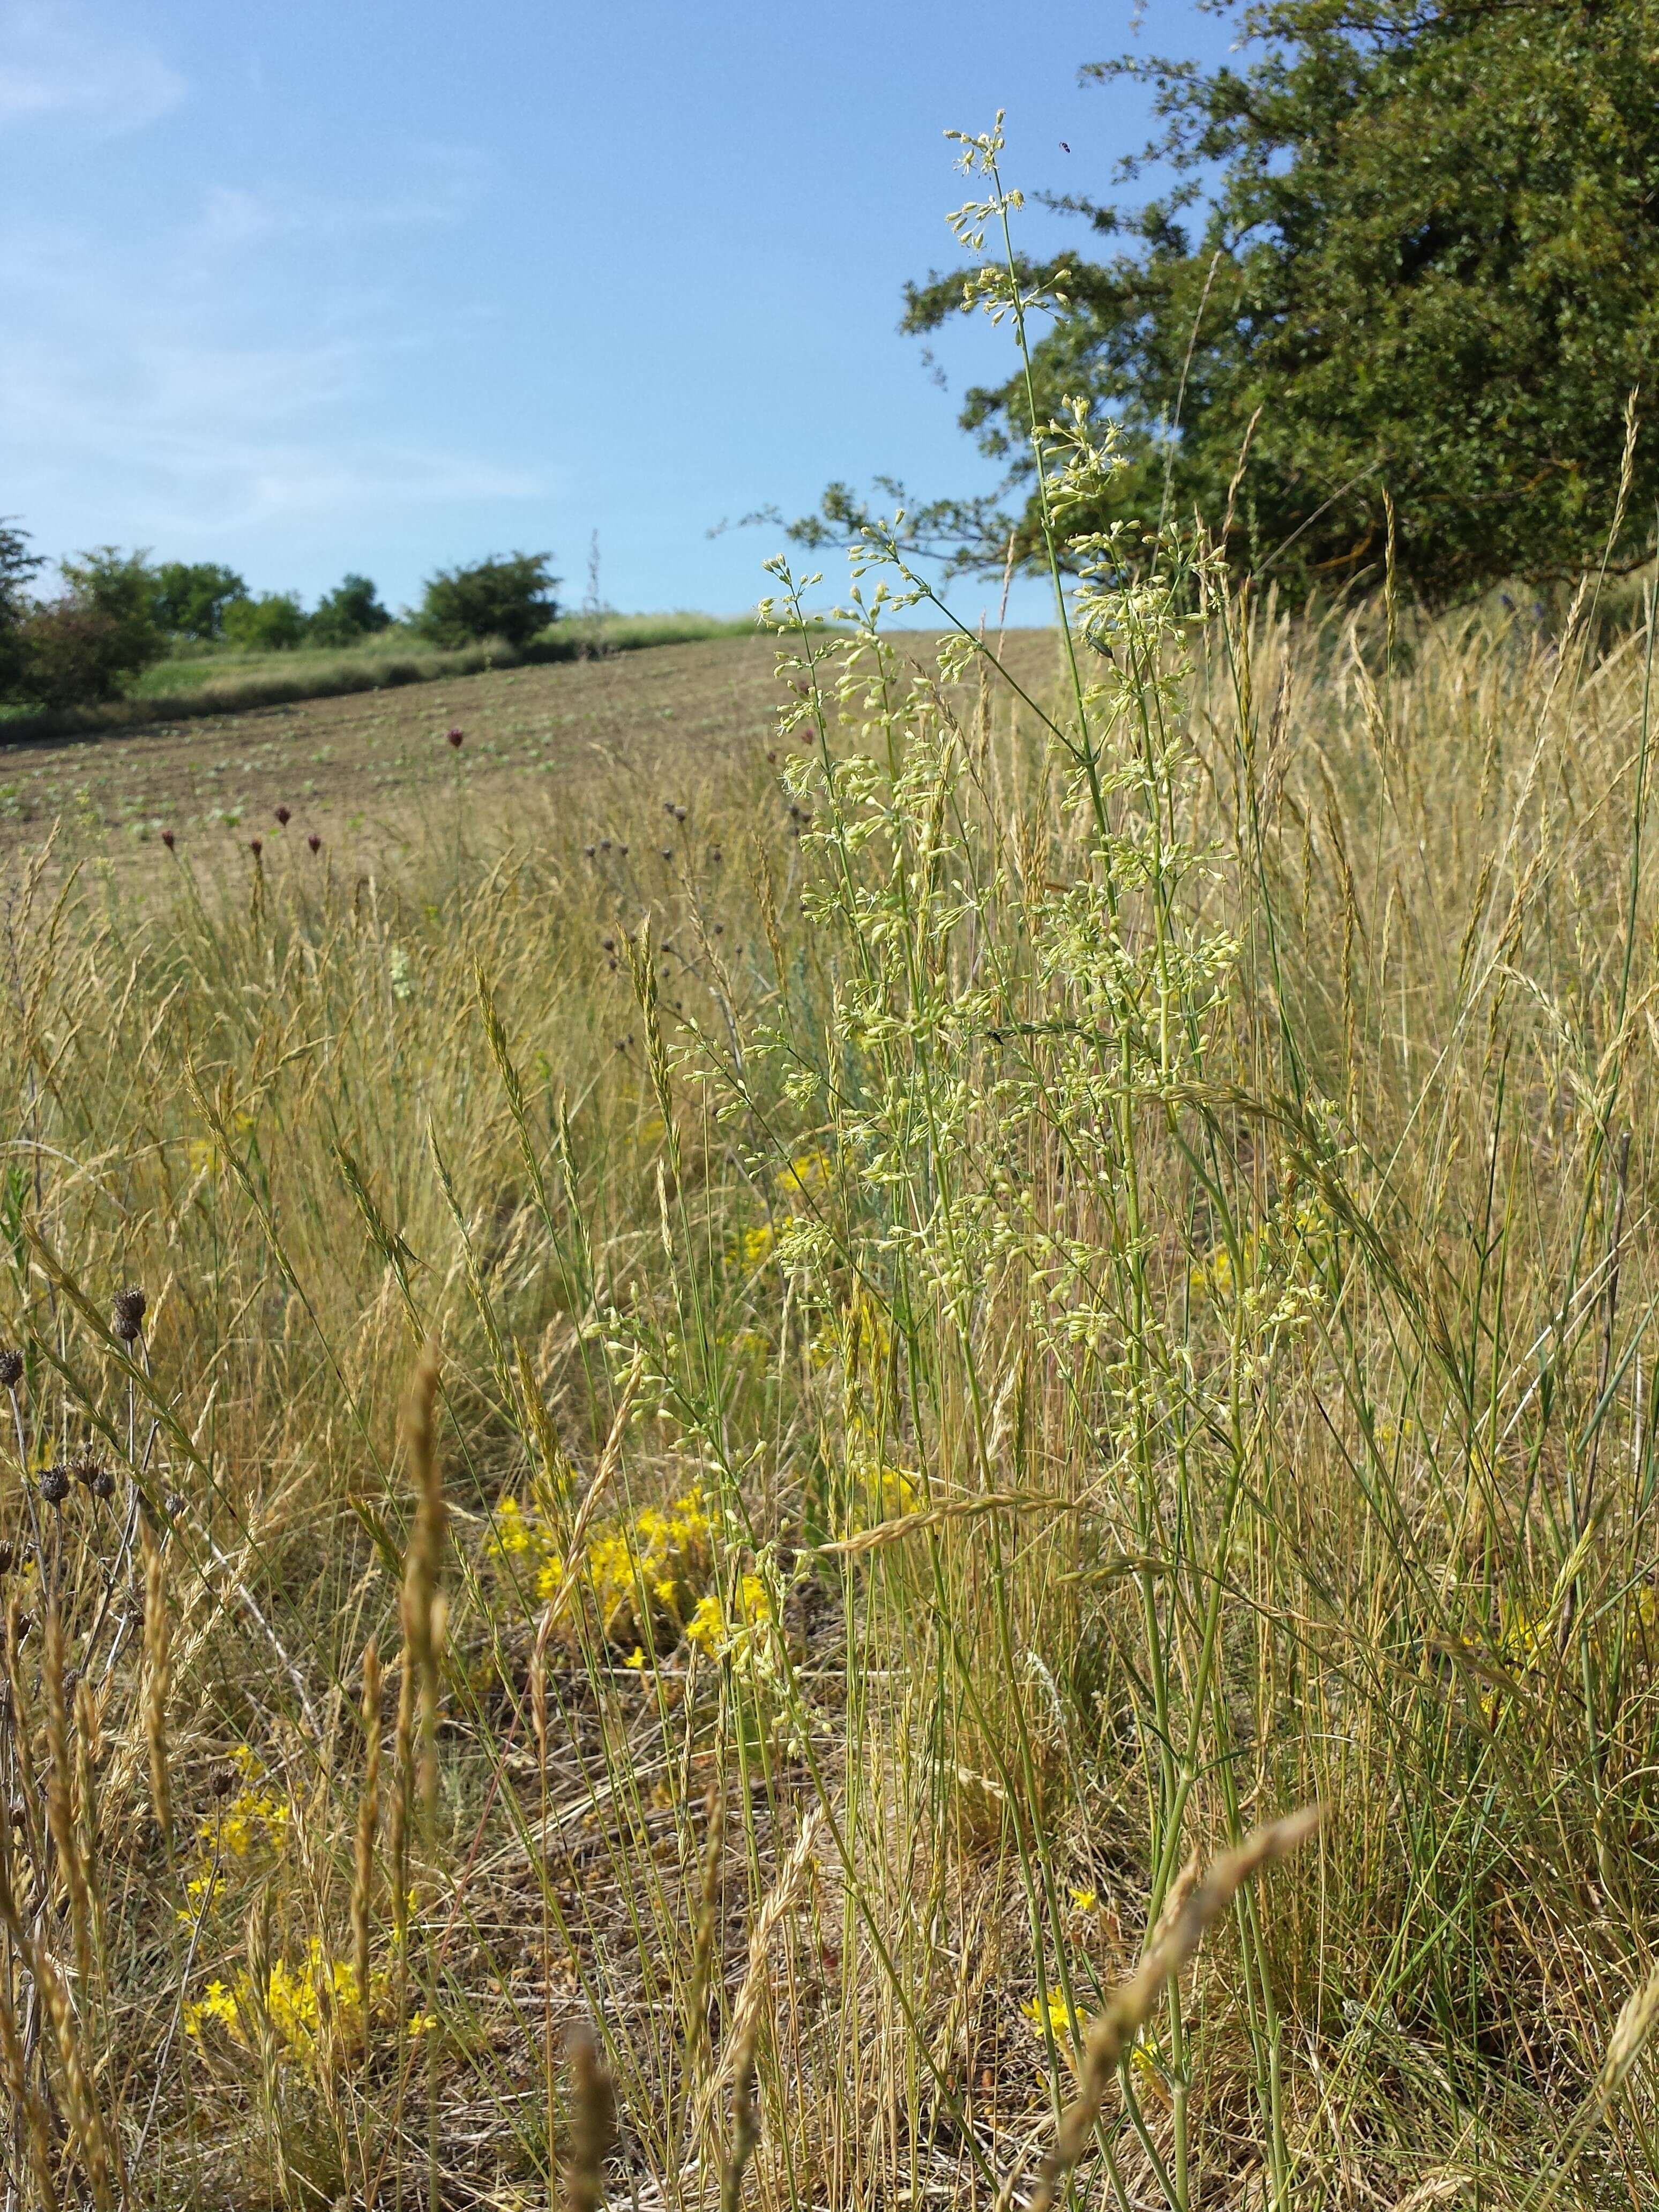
<point x="174" y="1503"/>
<point x="314" y="841"/>
<point x="167" y="839"/>
<point x="588" y="852"/>
<point x="55" y="1485"/>
<point x="283" y="817"/>
<point x="456" y="738"/>
<point x="256" y="846"/>
<point x="668" y="852"/>
<point x="8" y="1558"/>
<point x="224" y="1782"/>
<point x="129" y="1305"/>
<point x="20" y="1812"/>
<point x="11" y="1368"/>
<point x="679" y="814"/>
<point x="103" y="1485"/>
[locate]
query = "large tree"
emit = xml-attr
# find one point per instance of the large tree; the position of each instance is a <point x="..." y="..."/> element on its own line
<point x="1413" y="250"/>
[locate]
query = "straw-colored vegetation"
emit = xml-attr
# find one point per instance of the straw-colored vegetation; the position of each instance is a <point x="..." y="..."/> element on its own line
<point x="1075" y="1296"/>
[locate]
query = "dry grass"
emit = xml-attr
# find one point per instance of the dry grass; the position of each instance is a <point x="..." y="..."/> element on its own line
<point x="1010" y="1286"/>
<point x="948" y="1403"/>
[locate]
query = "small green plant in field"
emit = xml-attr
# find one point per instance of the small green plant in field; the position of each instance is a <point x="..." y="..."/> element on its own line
<point x="1020" y="1559"/>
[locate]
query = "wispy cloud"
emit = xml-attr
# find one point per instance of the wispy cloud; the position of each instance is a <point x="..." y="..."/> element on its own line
<point x="209" y="378"/>
<point x="58" y="64"/>
<point x="448" y="183"/>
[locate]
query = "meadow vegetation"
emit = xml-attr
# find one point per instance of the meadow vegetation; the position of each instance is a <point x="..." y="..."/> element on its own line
<point x="740" y="1502"/>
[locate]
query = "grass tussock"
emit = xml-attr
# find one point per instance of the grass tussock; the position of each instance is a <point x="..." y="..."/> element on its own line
<point x="1077" y="1325"/>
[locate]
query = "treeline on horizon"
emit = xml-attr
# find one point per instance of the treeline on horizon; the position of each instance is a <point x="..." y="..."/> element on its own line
<point x="116" y="613"/>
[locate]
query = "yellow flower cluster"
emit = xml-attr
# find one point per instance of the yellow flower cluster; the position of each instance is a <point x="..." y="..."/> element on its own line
<point x="298" y="2000"/>
<point x="807" y="1177"/>
<point x="878" y="1490"/>
<point x="254" y="1820"/>
<point x="651" y="1564"/>
<point x="1051" y="2010"/>
<point x="718" y="1633"/>
<point x="808" y="1173"/>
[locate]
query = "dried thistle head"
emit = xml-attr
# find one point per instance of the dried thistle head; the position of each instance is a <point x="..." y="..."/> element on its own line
<point x="54" y="1485"/>
<point x="11" y="1367"/>
<point x="128" y="1316"/>
<point x="89" y="1471"/>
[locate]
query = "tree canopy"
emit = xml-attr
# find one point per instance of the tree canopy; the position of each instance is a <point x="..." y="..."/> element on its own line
<point x="1411" y="250"/>
<point x="191" y="597"/>
<point x="509" y="596"/>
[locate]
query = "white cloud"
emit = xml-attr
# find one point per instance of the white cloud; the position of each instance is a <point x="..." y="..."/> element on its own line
<point x="202" y="380"/>
<point x="450" y="182"/>
<point x="56" y="64"/>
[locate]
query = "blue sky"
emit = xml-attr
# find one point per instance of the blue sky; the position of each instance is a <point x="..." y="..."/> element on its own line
<point x="328" y="286"/>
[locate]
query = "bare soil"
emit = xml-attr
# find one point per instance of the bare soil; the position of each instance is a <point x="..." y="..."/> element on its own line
<point x="359" y="768"/>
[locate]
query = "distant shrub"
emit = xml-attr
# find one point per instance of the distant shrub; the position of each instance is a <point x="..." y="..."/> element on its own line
<point x="274" y="622"/>
<point x="120" y="588"/>
<point x="71" y="652"/>
<point x="509" y="596"/>
<point x="352" y="610"/>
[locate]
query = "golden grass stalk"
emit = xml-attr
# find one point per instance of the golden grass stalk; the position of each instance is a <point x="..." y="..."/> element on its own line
<point x="703" y="1954"/>
<point x="603" y="1475"/>
<point x="60" y="1798"/>
<point x="745" y="2126"/>
<point x="28" y="2106"/>
<point x="157" y="1667"/>
<point x="368" y="1813"/>
<point x="22" y="1732"/>
<point x="779" y="1902"/>
<point x="424" y="1612"/>
<point x="1193" y="1906"/>
<point x="402" y="1798"/>
<point x="421" y="1613"/>
<point x="956" y="1509"/>
<point x="593" y="2124"/>
<point x="86" y="2121"/>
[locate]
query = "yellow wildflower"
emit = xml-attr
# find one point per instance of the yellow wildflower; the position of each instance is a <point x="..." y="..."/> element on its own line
<point x="1052" y="2011"/>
